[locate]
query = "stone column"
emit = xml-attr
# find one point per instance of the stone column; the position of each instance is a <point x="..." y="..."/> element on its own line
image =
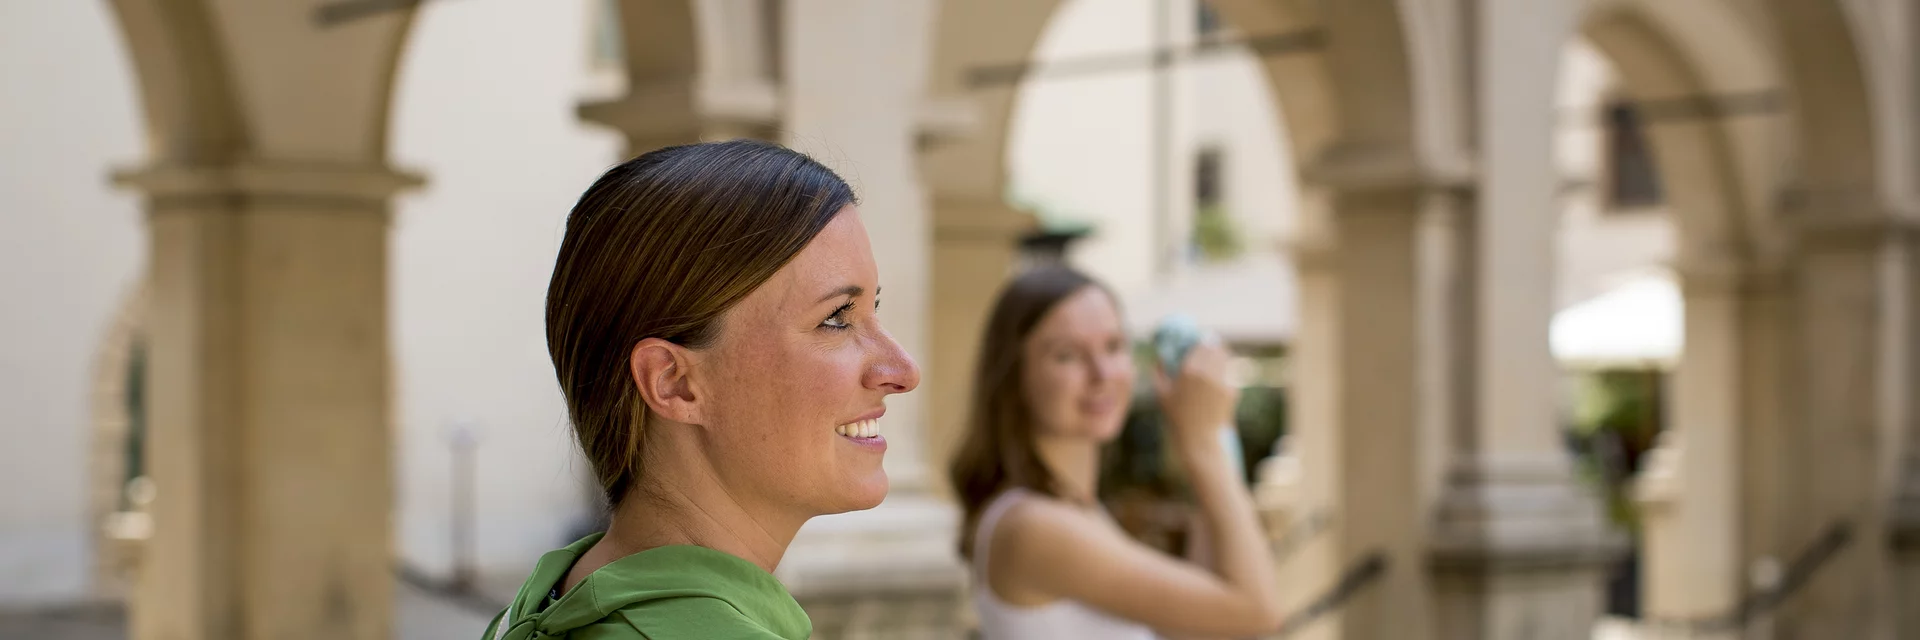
<point x="1904" y="518"/>
<point x="865" y="125"/>
<point x="1519" y="547"/>
<point x="1692" y="558"/>
<point x="1834" y="444"/>
<point x="271" y="440"/>
<point x="1905" y="513"/>
<point x="963" y="162"/>
<point x="975" y="250"/>
<point x="1357" y="396"/>
<point x="694" y="71"/>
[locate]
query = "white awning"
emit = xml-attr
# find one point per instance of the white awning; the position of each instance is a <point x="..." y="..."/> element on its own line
<point x="1638" y="323"/>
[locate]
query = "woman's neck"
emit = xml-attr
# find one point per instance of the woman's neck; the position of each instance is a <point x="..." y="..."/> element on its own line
<point x="681" y="500"/>
<point x="1075" y="464"/>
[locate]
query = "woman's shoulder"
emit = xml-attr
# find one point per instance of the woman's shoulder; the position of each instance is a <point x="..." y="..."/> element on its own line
<point x="689" y="618"/>
<point x="665" y="593"/>
<point x="1042" y="524"/>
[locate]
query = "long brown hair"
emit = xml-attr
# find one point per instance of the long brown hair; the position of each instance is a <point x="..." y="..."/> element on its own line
<point x="1000" y="450"/>
<point x="662" y="246"/>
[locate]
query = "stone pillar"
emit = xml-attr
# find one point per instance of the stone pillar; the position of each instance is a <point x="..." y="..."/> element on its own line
<point x="1904" y="517"/>
<point x="1357" y="400"/>
<point x="1519" y="547"/>
<point x="963" y="154"/>
<point x="271" y="443"/>
<point x="656" y="114"/>
<point x="975" y="249"/>
<point x="1833" y="445"/>
<point x="1692" y="558"/>
<point x="866" y="126"/>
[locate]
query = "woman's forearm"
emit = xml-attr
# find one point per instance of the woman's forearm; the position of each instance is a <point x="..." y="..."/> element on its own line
<point x="1238" y="545"/>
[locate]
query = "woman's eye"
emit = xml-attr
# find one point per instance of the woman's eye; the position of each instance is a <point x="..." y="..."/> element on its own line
<point x="839" y="318"/>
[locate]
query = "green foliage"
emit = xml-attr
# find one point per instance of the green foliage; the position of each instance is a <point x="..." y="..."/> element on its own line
<point x="1139" y="459"/>
<point x="1215" y="234"/>
<point x="1617" y="416"/>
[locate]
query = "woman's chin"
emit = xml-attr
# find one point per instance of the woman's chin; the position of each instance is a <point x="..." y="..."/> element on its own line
<point x="862" y="493"/>
<point x="1105" y="431"/>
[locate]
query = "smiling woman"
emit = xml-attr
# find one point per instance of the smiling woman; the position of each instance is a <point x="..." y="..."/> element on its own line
<point x="713" y="320"/>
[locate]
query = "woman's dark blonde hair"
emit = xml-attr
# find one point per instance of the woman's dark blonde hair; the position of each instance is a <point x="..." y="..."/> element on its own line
<point x="661" y="246"/>
<point x="1000" y="449"/>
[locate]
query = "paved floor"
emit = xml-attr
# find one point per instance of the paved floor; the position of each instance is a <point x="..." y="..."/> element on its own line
<point x="421" y="616"/>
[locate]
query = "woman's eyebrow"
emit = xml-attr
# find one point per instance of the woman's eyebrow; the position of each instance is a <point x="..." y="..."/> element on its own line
<point x="851" y="291"/>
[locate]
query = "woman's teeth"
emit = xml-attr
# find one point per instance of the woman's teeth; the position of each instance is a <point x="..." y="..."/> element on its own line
<point x="861" y="429"/>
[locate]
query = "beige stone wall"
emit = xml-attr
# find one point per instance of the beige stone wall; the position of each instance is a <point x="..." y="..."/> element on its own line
<point x="70" y="250"/>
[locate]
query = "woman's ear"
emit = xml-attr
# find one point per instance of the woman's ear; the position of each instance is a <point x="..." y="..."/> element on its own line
<point x="660" y="370"/>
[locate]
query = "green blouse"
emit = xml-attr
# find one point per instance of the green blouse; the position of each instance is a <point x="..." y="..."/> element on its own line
<point x="669" y="593"/>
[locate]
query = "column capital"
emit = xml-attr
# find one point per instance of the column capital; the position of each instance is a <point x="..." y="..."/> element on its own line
<point x="1846" y="217"/>
<point x="965" y="219"/>
<point x="1719" y="275"/>
<point x="1357" y="167"/>
<point x="354" y="185"/>
<point x="680" y="110"/>
<point x="946" y="119"/>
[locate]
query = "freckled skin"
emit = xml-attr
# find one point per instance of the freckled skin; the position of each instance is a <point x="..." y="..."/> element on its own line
<point x="783" y="377"/>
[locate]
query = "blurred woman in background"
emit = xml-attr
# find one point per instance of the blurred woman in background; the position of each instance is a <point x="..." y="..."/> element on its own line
<point x="1054" y="378"/>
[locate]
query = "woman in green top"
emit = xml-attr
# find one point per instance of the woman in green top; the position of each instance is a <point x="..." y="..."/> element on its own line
<point x="712" y="320"/>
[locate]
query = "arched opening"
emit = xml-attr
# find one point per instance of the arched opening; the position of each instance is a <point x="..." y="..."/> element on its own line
<point x="120" y="489"/>
<point x="1673" y="123"/>
<point x="1176" y="185"/>
<point x="1341" y="73"/>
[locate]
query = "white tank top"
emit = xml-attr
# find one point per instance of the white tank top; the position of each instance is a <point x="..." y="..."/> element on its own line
<point x="1058" y="620"/>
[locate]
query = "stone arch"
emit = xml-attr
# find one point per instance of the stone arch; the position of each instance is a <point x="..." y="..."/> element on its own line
<point x="1833" y="123"/>
<point x="694" y="71"/>
<point x="112" y="423"/>
<point x="1363" y="124"/>
<point x="266" y="184"/>
<point x="1371" y="142"/>
<point x="1363" y="44"/>
<point x="305" y="90"/>
<point x="1685" y="63"/>
<point x="1721" y="167"/>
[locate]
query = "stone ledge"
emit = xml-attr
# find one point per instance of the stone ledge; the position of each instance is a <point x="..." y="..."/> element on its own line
<point x="907" y="544"/>
<point x="1351" y="167"/>
<point x="1539" y="555"/>
<point x="1903" y="519"/>
<point x="254" y="178"/>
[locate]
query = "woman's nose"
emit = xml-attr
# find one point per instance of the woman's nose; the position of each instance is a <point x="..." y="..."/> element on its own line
<point x="894" y="371"/>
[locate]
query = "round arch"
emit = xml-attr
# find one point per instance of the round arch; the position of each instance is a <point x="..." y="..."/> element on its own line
<point x="1719" y="163"/>
<point x="1711" y="98"/>
<point x="1833" y="123"/>
<point x="1363" y="125"/>
<point x="115" y="389"/>
<point x="1362" y="43"/>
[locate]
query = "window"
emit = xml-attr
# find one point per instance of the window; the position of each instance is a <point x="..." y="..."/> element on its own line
<point x="1206" y="21"/>
<point x="1632" y="180"/>
<point x="1213" y="236"/>
<point x="608" y="52"/>
<point x="1207" y="166"/>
